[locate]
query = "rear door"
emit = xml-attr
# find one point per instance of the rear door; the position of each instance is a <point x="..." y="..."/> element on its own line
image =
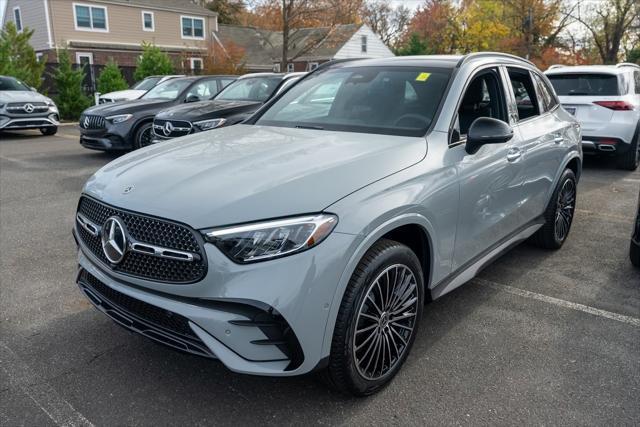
<point x="541" y="136"/>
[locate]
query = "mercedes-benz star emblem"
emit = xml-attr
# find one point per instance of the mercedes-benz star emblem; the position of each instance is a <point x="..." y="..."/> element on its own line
<point x="167" y="129"/>
<point x="114" y="239"/>
<point x="28" y="108"/>
<point x="127" y="189"/>
<point x="86" y="122"/>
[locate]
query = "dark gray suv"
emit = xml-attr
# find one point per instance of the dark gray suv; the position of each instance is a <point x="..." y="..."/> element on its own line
<point x="22" y="107"/>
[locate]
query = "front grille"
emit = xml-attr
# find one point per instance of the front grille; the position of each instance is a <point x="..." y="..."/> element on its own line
<point x="180" y="128"/>
<point x="88" y="121"/>
<point x="28" y="123"/>
<point x="147" y="230"/>
<point x="27" y="107"/>
<point x="154" y="322"/>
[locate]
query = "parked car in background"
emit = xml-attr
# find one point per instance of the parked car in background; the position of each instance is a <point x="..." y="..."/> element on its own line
<point x="308" y="237"/>
<point x="233" y="105"/>
<point x="22" y="107"/>
<point x="127" y="125"/>
<point x="136" y="91"/>
<point x="606" y="101"/>
<point x="634" y="251"/>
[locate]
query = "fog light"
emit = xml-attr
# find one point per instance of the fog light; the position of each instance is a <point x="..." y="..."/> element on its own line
<point x="53" y="117"/>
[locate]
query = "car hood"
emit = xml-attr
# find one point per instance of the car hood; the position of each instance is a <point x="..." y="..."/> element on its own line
<point x="128" y="107"/>
<point x="207" y="110"/>
<point x="247" y="173"/>
<point x="21" y="96"/>
<point x="124" y="94"/>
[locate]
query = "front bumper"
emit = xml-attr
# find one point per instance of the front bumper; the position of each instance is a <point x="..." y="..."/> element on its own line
<point x="267" y="318"/>
<point x="20" y="123"/>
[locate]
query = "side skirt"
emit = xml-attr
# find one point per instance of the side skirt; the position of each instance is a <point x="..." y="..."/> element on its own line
<point x="475" y="265"/>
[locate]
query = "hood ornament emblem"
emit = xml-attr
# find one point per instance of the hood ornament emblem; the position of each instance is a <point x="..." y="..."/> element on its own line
<point x="114" y="239"/>
<point x="86" y="122"/>
<point x="128" y="189"/>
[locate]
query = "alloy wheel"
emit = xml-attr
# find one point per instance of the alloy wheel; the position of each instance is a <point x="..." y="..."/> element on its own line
<point x="565" y="209"/>
<point x="385" y="322"/>
<point x="145" y="138"/>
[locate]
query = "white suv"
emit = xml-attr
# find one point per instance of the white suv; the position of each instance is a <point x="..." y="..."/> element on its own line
<point x="606" y="101"/>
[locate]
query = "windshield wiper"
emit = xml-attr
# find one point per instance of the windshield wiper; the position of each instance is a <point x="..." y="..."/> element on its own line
<point x="309" y="127"/>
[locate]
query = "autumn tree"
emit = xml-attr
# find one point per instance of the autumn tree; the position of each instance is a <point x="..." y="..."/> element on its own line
<point x="386" y="21"/>
<point x="436" y="23"/>
<point x="229" y="11"/>
<point x="227" y="59"/>
<point x="609" y="23"/>
<point x="480" y="26"/>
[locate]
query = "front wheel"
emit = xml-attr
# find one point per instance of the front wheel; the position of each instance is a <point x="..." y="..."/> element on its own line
<point x="377" y="321"/>
<point x="49" y="130"/>
<point x="559" y="214"/>
<point x="143" y="137"/>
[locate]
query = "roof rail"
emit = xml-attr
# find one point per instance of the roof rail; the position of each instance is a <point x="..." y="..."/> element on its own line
<point x="554" y="66"/>
<point x="627" y="64"/>
<point x="473" y="55"/>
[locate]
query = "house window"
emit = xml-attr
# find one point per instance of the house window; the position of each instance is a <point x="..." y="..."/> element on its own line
<point x="196" y="64"/>
<point x="192" y="28"/>
<point x="147" y="21"/>
<point x="39" y="56"/>
<point x="290" y="67"/>
<point x="17" y="17"/>
<point x="363" y="44"/>
<point x="90" y="18"/>
<point x="312" y="66"/>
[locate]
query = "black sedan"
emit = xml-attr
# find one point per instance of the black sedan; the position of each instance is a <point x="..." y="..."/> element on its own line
<point x="234" y="104"/>
<point x="634" y="252"/>
<point x="127" y="125"/>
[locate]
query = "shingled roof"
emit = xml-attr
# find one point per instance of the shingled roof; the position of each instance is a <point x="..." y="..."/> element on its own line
<point x="263" y="48"/>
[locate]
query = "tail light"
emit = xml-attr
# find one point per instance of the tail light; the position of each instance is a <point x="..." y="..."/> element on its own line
<point x="615" y="105"/>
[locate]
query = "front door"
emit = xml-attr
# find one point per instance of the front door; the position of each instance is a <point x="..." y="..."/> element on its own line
<point x="85" y="60"/>
<point x="490" y="179"/>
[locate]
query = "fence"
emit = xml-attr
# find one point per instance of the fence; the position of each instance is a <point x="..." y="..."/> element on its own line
<point x="90" y="83"/>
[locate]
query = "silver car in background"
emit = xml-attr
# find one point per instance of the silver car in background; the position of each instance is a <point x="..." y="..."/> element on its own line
<point x="605" y="99"/>
<point x="309" y="237"/>
<point x="22" y="108"/>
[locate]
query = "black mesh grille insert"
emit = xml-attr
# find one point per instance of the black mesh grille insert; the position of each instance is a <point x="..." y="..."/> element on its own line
<point x="148" y="230"/>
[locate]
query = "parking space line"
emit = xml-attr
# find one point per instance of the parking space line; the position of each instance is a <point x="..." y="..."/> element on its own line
<point x="560" y="302"/>
<point x="40" y="392"/>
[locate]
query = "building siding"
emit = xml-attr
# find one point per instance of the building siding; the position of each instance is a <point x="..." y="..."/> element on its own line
<point x="125" y="26"/>
<point x="375" y="47"/>
<point x="34" y="18"/>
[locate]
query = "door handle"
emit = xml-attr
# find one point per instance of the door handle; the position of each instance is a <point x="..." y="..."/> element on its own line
<point x="558" y="139"/>
<point x="514" y="154"/>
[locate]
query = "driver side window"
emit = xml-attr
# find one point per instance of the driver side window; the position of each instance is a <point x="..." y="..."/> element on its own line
<point x="483" y="97"/>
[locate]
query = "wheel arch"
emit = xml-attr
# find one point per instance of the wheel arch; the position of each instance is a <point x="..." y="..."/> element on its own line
<point x="400" y="229"/>
<point x="136" y="126"/>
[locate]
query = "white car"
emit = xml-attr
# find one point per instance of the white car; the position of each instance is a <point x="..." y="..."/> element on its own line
<point x="136" y="91"/>
<point x="606" y="101"/>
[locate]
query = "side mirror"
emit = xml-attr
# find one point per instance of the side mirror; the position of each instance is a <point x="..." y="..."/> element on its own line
<point x="485" y="130"/>
<point x="192" y="98"/>
<point x="33" y="89"/>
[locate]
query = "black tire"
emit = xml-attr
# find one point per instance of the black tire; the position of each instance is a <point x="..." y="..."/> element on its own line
<point x="631" y="159"/>
<point x="553" y="234"/>
<point x="49" y="130"/>
<point x="634" y="254"/>
<point x="143" y="136"/>
<point x="389" y="259"/>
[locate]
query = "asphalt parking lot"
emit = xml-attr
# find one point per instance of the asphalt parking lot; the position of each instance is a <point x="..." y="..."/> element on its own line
<point x="539" y="338"/>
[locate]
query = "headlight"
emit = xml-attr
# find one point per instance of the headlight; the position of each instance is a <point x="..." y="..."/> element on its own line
<point x="272" y="239"/>
<point x="119" y="118"/>
<point x="210" y="124"/>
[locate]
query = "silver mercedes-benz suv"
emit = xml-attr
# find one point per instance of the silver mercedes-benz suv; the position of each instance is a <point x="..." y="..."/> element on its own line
<point x="21" y="107"/>
<point x="310" y="236"/>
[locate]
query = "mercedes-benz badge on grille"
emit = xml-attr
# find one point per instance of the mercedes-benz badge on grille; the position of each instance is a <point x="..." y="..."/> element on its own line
<point x="114" y="239"/>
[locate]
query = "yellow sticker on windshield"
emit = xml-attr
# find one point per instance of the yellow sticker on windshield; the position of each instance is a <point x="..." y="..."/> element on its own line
<point x="422" y="77"/>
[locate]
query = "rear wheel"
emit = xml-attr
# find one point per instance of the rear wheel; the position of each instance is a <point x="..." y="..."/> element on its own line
<point x="631" y="159"/>
<point x="559" y="214"/>
<point x="143" y="136"/>
<point x="49" y="130"/>
<point x="378" y="320"/>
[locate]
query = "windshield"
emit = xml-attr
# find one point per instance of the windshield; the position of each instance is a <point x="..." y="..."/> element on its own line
<point x="9" y="83"/>
<point x="170" y="89"/>
<point x="146" y="84"/>
<point x="385" y="100"/>
<point x="257" y="89"/>
<point x="585" y="84"/>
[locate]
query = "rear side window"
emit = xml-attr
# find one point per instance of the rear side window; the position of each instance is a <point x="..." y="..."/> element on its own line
<point x="546" y="94"/>
<point x="582" y="84"/>
<point x="525" y="93"/>
<point x="636" y="78"/>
